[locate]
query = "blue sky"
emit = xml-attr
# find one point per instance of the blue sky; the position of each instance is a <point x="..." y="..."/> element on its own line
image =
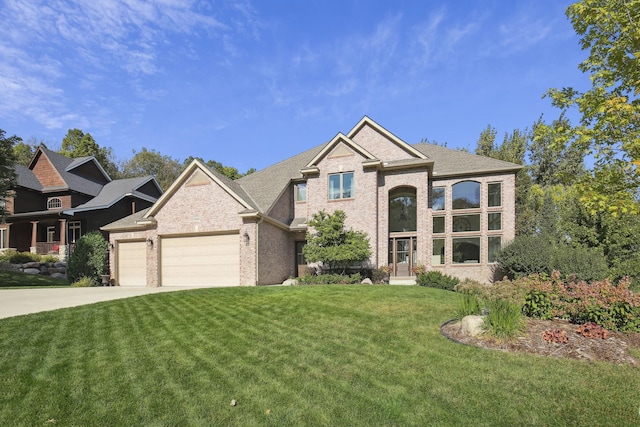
<point x="249" y="83"/>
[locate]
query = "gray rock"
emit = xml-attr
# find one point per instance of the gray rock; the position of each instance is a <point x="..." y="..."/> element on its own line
<point x="60" y="265"/>
<point x="367" y="281"/>
<point x="31" y="265"/>
<point x="58" y="276"/>
<point x="290" y="282"/>
<point x="53" y="270"/>
<point x="31" y="271"/>
<point x="472" y="325"/>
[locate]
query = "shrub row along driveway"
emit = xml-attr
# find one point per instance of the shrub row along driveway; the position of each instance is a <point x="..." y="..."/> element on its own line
<point x="17" y="302"/>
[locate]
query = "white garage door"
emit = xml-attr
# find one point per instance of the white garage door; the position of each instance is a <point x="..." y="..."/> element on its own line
<point x="132" y="263"/>
<point x="200" y="260"/>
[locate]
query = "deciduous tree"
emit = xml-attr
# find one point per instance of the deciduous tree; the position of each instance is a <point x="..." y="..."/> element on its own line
<point x="79" y="144"/>
<point x="7" y="170"/>
<point x="164" y="168"/>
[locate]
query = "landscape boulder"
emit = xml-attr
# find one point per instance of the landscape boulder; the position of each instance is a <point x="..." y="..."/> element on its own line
<point x="290" y="282"/>
<point x="472" y="325"/>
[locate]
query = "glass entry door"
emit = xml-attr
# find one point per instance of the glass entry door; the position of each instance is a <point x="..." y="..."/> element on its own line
<point x="402" y="255"/>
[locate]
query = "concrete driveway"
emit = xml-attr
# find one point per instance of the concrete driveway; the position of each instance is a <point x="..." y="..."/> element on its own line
<point x="16" y="302"/>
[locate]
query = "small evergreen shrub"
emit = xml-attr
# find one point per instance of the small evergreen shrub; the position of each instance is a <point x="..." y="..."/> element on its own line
<point x="436" y="279"/>
<point x="84" y="282"/>
<point x="330" y="279"/>
<point x="90" y="258"/>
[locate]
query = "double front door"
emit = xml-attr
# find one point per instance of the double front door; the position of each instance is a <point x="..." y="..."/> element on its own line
<point x="402" y="255"/>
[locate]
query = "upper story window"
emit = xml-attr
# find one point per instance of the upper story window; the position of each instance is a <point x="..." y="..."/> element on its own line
<point x="495" y="194"/>
<point x="54" y="203"/>
<point x="301" y="192"/>
<point x="466" y="195"/>
<point x="437" y="198"/>
<point x="341" y="186"/>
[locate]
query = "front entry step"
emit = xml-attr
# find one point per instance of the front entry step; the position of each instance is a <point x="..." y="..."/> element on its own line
<point x="400" y="280"/>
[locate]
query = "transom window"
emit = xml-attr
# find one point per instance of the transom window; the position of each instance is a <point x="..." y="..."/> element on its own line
<point x="341" y="185"/>
<point x="54" y="203"/>
<point x="403" y="209"/>
<point x="301" y="192"/>
<point x="466" y="195"/>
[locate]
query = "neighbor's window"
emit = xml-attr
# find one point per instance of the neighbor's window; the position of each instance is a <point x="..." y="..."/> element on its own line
<point x="3" y="238"/>
<point x="466" y="195"/>
<point x="495" y="194"/>
<point x="494" y="246"/>
<point x="438" y="224"/>
<point x="466" y="251"/>
<point x="437" y="254"/>
<point x="462" y="223"/>
<point x="437" y="198"/>
<point x="54" y="203"/>
<point x="301" y="192"/>
<point x="75" y="231"/>
<point x="495" y="221"/>
<point x="341" y="185"/>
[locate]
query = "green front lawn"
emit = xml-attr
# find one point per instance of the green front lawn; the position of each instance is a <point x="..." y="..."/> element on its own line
<point x="323" y="355"/>
<point x="12" y="279"/>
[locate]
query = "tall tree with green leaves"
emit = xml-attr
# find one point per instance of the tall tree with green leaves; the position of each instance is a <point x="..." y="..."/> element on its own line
<point x="76" y="143"/>
<point x="7" y="170"/>
<point x="24" y="150"/>
<point x="332" y="245"/>
<point x="609" y="111"/>
<point x="163" y="168"/>
<point x="228" y="171"/>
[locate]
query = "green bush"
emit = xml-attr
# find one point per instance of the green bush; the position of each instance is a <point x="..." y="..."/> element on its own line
<point x="379" y="275"/>
<point x="330" y="279"/>
<point x="468" y="305"/>
<point x="436" y="279"/>
<point x="84" y="282"/>
<point x="14" y="257"/>
<point x="527" y="255"/>
<point x="49" y="258"/>
<point x="90" y="258"/>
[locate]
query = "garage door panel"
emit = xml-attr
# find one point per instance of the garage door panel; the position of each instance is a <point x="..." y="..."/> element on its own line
<point x="200" y="260"/>
<point x="132" y="264"/>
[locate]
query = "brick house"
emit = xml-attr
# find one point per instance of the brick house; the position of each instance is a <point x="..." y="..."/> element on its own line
<point x="420" y="204"/>
<point x="58" y="199"/>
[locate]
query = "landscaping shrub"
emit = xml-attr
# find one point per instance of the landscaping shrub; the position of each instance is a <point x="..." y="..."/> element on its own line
<point x="436" y="279"/>
<point x="49" y="258"/>
<point x="614" y="307"/>
<point x="504" y="319"/>
<point x="468" y="305"/>
<point x="90" y="258"/>
<point x="527" y="255"/>
<point x="330" y="279"/>
<point x="14" y="257"/>
<point x="84" y="282"/>
<point x="379" y="275"/>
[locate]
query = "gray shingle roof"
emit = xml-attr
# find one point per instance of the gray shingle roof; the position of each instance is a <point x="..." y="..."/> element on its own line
<point x="74" y="182"/>
<point x="266" y="185"/>
<point x="448" y="162"/>
<point x="114" y="191"/>
<point x="27" y="179"/>
<point x="128" y="222"/>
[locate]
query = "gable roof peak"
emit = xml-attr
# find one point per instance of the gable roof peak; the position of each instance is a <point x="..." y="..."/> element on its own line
<point x="368" y="122"/>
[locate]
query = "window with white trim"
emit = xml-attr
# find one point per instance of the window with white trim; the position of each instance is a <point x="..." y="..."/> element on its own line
<point x="341" y="185"/>
<point x="75" y="231"/>
<point x="54" y="203"/>
<point x="301" y="192"/>
<point x="3" y="238"/>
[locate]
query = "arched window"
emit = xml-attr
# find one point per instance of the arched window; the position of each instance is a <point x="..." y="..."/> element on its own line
<point x="54" y="203"/>
<point x="466" y="195"/>
<point x="402" y="209"/>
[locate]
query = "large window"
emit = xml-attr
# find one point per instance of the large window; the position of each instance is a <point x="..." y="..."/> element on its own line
<point x="494" y="246"/>
<point x="462" y="223"/>
<point x="466" y="195"/>
<point x="438" y="198"/>
<point x="341" y="186"/>
<point x="301" y="192"/>
<point x="437" y="254"/>
<point x="403" y="210"/>
<point x="495" y="194"/>
<point x="54" y="203"/>
<point x="466" y="251"/>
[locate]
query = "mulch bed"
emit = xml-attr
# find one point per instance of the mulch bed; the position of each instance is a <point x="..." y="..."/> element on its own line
<point x="613" y="349"/>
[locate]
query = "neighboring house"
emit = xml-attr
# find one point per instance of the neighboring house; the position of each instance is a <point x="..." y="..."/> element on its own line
<point x="419" y="204"/>
<point x="58" y="199"/>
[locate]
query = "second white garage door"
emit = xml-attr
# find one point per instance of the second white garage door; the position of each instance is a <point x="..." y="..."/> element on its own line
<point x="200" y="260"/>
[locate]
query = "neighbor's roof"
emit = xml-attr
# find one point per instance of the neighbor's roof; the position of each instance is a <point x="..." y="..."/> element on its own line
<point x="115" y="191"/>
<point x="128" y="222"/>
